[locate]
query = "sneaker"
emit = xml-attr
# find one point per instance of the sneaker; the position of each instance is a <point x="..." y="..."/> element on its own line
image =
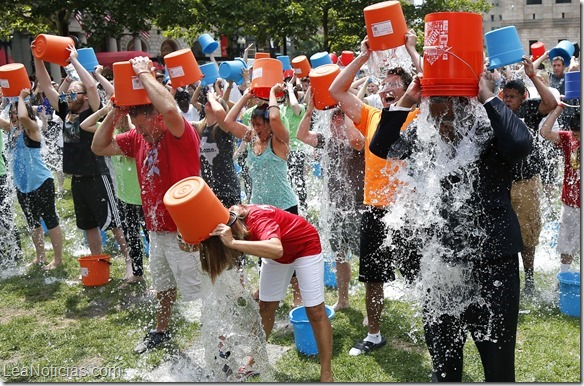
<point x="151" y="340"/>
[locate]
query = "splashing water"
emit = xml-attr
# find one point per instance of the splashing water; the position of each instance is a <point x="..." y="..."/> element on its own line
<point x="380" y="61"/>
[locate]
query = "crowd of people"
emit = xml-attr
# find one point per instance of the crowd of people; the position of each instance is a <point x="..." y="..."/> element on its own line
<point x="386" y="195"/>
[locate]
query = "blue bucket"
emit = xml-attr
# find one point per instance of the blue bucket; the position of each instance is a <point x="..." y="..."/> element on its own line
<point x="503" y="47"/>
<point x="87" y="58"/>
<point x="565" y="49"/>
<point x="303" y="335"/>
<point x="330" y="274"/>
<point x="208" y="44"/>
<point x="210" y="73"/>
<point x="285" y="59"/>
<point x="231" y="70"/>
<point x="572" y="84"/>
<point x="569" y="293"/>
<point x="320" y="58"/>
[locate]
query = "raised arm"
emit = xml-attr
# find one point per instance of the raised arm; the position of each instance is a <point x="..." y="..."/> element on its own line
<point x="237" y="128"/>
<point x="218" y="110"/>
<point x="162" y="100"/>
<point x="86" y="78"/>
<point x="44" y="81"/>
<point x="548" y="101"/>
<point x="294" y="104"/>
<point x="340" y="88"/>
<point x="411" y="39"/>
<point x="104" y="143"/>
<point x="106" y="84"/>
<point x="90" y="123"/>
<point x="546" y="129"/>
<point x="304" y="134"/>
<point x="278" y="128"/>
<point x="30" y="124"/>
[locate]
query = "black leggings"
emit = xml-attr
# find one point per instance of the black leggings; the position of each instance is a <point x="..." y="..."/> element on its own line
<point x="496" y="319"/>
<point x="132" y="217"/>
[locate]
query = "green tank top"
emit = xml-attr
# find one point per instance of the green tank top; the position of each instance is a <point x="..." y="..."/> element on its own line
<point x="269" y="179"/>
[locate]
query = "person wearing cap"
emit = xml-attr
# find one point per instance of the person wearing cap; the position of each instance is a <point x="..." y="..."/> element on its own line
<point x="459" y="153"/>
<point x="526" y="187"/>
<point x="377" y="263"/>
<point x="286" y="243"/>
<point x="166" y="150"/>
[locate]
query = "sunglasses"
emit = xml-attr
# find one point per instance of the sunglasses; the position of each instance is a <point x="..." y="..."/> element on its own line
<point x="70" y="95"/>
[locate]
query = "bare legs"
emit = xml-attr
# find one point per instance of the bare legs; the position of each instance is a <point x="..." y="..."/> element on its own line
<point x="343" y="280"/>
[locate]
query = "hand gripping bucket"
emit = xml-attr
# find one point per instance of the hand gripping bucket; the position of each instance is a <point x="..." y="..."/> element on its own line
<point x="232" y="70"/>
<point x="301" y="66"/>
<point x="195" y="209"/>
<point x="569" y="293"/>
<point x="503" y="47"/>
<point x="87" y="58"/>
<point x="128" y="88"/>
<point x="565" y="49"/>
<point x="13" y="78"/>
<point x="572" y="84"/>
<point x="208" y="45"/>
<point x="453" y="54"/>
<point x="320" y="59"/>
<point x="210" y="73"/>
<point x="95" y="270"/>
<point x="303" y="334"/>
<point x="346" y="58"/>
<point x="262" y="55"/>
<point x="52" y="48"/>
<point x="386" y="25"/>
<point x="320" y="81"/>
<point x="537" y="50"/>
<point x="266" y="73"/>
<point x="182" y="67"/>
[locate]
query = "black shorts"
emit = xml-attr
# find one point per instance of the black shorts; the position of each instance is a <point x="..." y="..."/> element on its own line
<point x="377" y="261"/>
<point x="95" y="202"/>
<point x="40" y="203"/>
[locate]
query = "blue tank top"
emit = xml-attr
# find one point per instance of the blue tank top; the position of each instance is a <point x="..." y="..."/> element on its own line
<point x="269" y="179"/>
<point x="29" y="169"/>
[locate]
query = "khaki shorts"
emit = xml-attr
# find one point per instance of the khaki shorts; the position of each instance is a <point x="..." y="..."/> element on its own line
<point x="171" y="267"/>
<point x="525" y="199"/>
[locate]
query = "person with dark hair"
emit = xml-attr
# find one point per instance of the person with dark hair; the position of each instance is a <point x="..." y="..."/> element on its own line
<point x="377" y="263"/>
<point x="35" y="187"/>
<point x="459" y="156"/>
<point x="187" y="109"/>
<point x="526" y="187"/>
<point x="166" y="150"/>
<point x="286" y="243"/>
<point x="569" y="142"/>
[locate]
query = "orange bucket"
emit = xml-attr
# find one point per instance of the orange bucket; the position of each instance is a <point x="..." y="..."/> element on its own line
<point x="53" y="49"/>
<point x="301" y="66"/>
<point x="453" y="54"/>
<point x="320" y="81"/>
<point x="386" y="25"/>
<point x="128" y="89"/>
<point x="13" y="78"/>
<point x="266" y="73"/>
<point x="95" y="270"/>
<point x="183" y="68"/>
<point x="537" y="50"/>
<point x="262" y="55"/>
<point x="195" y="209"/>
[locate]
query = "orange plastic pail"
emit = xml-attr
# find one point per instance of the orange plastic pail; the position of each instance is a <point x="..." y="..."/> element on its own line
<point x="13" y="78"/>
<point x="266" y="73"/>
<point x="262" y="55"/>
<point x="53" y="49"/>
<point x="537" y="50"/>
<point x="301" y="66"/>
<point x="195" y="209"/>
<point x="386" y="25"/>
<point x="182" y="67"/>
<point x="128" y="89"/>
<point x="320" y="81"/>
<point x="95" y="270"/>
<point x="453" y="54"/>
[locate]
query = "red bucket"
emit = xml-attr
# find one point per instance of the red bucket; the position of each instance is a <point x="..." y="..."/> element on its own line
<point x="386" y="25"/>
<point x="453" y="54"/>
<point x="537" y="50"/>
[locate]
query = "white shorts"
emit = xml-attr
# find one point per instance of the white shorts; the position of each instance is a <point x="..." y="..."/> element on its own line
<point x="171" y="267"/>
<point x="569" y="233"/>
<point x="275" y="278"/>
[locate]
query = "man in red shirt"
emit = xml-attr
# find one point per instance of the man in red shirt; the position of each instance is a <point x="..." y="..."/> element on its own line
<point x="166" y="150"/>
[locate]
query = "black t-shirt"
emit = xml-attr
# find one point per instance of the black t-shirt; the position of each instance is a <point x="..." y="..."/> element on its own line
<point x="530" y="166"/>
<point x="78" y="159"/>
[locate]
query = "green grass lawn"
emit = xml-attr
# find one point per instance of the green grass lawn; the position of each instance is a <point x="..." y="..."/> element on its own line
<point x="50" y="319"/>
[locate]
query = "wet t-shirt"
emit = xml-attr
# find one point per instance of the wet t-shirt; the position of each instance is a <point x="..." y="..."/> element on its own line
<point x="530" y="166"/>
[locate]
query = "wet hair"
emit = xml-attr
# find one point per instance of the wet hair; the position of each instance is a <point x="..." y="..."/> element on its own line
<point x="574" y="121"/>
<point x="405" y="76"/>
<point x="516" y="84"/>
<point x="78" y="82"/>
<point x="558" y="58"/>
<point x="29" y="110"/>
<point x="216" y="257"/>
<point x="148" y="110"/>
<point x="262" y="112"/>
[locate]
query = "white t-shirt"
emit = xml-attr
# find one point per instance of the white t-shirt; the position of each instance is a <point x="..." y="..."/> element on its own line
<point x="192" y="114"/>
